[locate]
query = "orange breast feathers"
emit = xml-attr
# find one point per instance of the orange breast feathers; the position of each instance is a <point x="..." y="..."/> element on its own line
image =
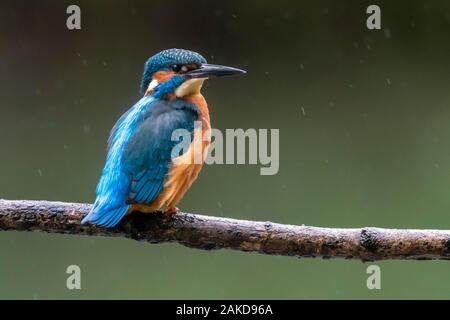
<point x="185" y="168"/>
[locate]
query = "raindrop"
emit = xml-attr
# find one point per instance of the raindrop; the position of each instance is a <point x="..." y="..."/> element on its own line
<point x="86" y="128"/>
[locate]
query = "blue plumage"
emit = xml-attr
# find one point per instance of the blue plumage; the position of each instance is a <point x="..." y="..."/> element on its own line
<point x="139" y="154"/>
<point x="147" y="156"/>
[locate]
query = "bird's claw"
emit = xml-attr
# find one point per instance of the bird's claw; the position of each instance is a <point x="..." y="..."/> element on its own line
<point x="171" y="211"/>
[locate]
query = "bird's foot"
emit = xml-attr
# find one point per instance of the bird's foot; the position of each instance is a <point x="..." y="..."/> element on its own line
<point x="171" y="211"/>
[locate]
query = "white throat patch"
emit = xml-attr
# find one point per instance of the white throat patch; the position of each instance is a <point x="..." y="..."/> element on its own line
<point x="189" y="87"/>
<point x="152" y="85"/>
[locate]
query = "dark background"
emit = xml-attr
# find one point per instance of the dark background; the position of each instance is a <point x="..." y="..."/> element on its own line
<point x="371" y="147"/>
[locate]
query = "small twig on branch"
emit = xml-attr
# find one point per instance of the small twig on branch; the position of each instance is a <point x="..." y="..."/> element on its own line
<point x="205" y="232"/>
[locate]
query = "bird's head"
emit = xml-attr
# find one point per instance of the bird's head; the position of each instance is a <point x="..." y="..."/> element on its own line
<point x="180" y="72"/>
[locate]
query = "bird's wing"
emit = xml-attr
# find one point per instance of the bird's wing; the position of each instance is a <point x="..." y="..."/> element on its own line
<point x="147" y="155"/>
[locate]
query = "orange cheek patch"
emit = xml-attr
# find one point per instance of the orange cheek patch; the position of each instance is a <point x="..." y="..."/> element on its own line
<point x="162" y="76"/>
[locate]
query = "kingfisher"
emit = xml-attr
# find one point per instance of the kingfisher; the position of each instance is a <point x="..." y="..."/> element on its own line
<point x="141" y="173"/>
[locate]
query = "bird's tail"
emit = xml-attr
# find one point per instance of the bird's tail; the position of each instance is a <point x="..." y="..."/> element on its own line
<point x="105" y="214"/>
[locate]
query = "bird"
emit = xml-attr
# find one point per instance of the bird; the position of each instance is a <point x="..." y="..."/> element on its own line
<point x="140" y="172"/>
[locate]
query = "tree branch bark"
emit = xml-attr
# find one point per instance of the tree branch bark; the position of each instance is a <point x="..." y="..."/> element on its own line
<point x="206" y="232"/>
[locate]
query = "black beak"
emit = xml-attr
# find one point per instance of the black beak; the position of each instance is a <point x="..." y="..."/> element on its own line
<point x="212" y="71"/>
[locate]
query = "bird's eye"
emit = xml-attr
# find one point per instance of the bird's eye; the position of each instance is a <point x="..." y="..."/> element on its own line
<point x="179" y="68"/>
<point x="176" y="67"/>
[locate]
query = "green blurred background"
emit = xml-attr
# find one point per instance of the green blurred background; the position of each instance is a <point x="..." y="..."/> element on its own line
<point x="369" y="148"/>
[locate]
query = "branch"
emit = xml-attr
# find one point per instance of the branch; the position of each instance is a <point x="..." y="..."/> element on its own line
<point x="205" y="232"/>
